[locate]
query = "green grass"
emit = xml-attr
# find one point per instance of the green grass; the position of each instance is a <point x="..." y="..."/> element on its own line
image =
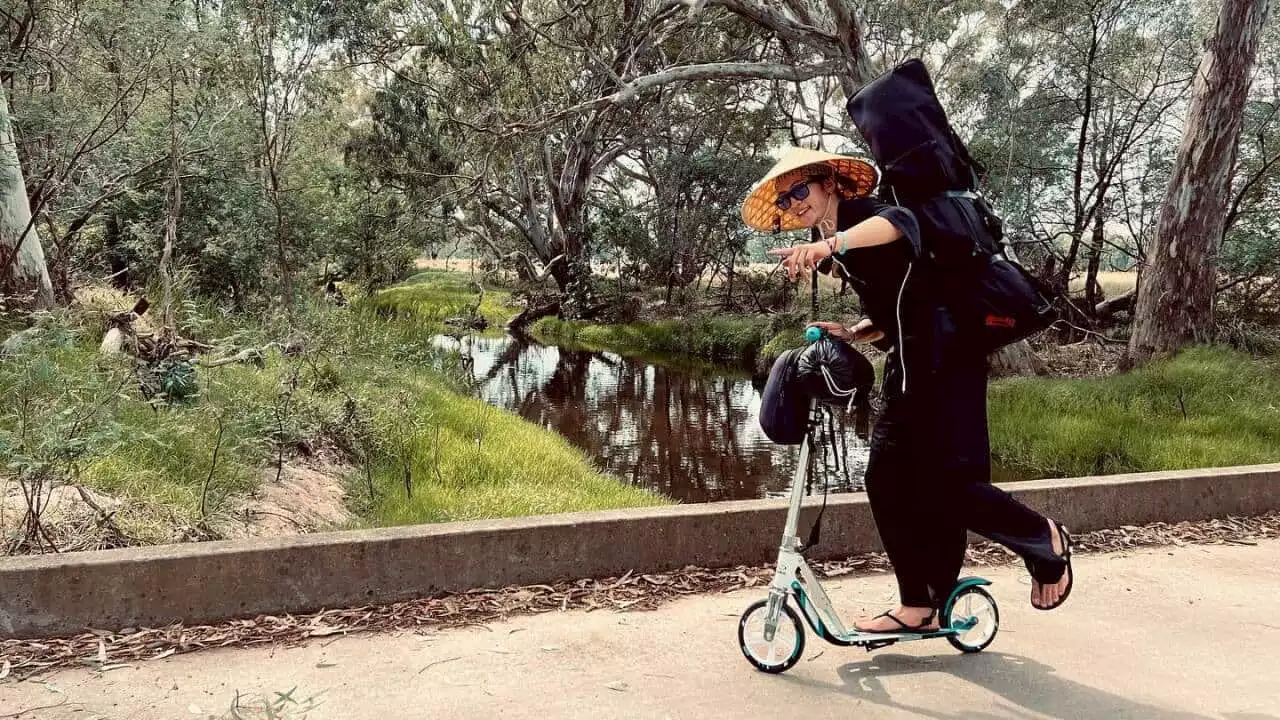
<point x="734" y="340"/>
<point x="471" y="461"/>
<point x="367" y="385"/>
<point x="431" y="296"/>
<point x="371" y="383"/>
<point x="86" y="421"/>
<point x="783" y="341"/>
<point x="1135" y="422"/>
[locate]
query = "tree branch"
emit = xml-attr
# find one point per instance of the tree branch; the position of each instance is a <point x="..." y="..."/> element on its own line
<point x="687" y="73"/>
<point x="767" y="16"/>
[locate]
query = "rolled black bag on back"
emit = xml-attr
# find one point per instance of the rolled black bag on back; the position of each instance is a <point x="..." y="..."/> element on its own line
<point x="928" y="170"/>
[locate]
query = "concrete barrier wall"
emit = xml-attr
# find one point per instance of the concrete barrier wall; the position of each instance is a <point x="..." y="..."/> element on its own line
<point x="204" y="582"/>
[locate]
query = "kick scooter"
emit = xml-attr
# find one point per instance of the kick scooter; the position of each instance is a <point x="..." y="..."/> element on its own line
<point x="771" y="634"/>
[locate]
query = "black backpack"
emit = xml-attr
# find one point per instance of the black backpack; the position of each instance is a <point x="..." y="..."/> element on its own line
<point x="927" y="169"/>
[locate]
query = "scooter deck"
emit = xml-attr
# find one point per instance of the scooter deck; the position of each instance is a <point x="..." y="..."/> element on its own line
<point x="860" y="638"/>
<point x="881" y="639"/>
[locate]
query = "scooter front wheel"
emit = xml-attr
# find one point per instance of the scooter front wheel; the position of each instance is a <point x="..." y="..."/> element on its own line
<point x="786" y="647"/>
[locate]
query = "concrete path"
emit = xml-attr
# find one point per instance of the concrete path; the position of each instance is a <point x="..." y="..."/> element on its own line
<point x="1173" y="633"/>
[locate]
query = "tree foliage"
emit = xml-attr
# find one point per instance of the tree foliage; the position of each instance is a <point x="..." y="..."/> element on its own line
<point x="313" y="140"/>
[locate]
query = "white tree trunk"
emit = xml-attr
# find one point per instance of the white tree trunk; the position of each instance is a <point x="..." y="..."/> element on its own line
<point x="23" y="275"/>
<point x="1176" y="292"/>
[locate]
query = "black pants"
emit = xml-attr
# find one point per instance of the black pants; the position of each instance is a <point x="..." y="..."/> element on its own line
<point x="929" y="481"/>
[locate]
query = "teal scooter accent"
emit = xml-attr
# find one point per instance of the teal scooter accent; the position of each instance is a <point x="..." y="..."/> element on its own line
<point x="961" y="585"/>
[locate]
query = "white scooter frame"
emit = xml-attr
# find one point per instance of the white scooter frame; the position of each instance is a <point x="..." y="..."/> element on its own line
<point x="969" y="619"/>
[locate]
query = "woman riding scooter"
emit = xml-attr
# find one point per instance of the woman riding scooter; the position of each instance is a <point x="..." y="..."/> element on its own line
<point x="928" y="479"/>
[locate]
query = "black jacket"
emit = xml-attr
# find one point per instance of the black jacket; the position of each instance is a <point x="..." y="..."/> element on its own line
<point x="897" y="288"/>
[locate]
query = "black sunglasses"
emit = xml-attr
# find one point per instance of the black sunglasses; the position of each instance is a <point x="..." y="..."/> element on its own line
<point x="799" y="191"/>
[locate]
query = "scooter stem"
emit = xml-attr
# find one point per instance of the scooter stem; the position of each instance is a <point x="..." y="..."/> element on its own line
<point x="790" y="540"/>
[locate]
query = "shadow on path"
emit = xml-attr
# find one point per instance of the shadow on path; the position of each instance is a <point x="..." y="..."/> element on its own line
<point x="1031" y="688"/>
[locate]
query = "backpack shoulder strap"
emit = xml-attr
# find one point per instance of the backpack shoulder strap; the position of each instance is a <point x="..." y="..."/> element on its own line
<point x="976" y="169"/>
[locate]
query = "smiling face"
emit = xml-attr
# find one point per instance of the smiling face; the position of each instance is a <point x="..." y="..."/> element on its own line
<point x="817" y="205"/>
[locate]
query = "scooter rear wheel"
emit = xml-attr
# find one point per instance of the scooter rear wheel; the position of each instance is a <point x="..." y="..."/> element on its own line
<point x="975" y="607"/>
<point x="788" y="640"/>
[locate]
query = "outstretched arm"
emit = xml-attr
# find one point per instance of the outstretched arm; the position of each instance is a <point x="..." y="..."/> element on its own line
<point x="875" y="230"/>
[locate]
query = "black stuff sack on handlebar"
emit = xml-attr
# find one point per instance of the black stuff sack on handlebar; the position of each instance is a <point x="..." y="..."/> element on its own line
<point x="784" y="405"/>
<point x="829" y="371"/>
<point x="834" y="373"/>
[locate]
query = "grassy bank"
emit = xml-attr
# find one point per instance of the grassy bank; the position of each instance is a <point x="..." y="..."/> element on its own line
<point x="1207" y="407"/>
<point x="473" y="461"/>
<point x="430" y="297"/>
<point x="368" y="393"/>
<point x="780" y="343"/>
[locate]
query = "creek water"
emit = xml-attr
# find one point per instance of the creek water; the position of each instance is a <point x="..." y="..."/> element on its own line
<point x="690" y="433"/>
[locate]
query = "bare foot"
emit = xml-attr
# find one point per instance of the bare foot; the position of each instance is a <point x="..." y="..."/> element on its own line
<point x="904" y="619"/>
<point x="1047" y="596"/>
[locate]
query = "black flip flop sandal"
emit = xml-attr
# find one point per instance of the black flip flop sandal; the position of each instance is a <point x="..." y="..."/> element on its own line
<point x="1071" y="574"/>
<point x="902" y="627"/>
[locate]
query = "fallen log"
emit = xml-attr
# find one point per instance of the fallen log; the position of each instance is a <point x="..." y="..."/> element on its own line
<point x="520" y="323"/>
<point x="257" y="356"/>
<point x="1107" y="309"/>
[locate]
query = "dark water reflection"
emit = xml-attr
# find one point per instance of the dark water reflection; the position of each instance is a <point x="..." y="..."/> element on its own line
<point x="691" y="434"/>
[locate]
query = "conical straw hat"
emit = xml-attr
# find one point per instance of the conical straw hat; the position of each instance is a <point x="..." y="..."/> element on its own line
<point x="760" y="211"/>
